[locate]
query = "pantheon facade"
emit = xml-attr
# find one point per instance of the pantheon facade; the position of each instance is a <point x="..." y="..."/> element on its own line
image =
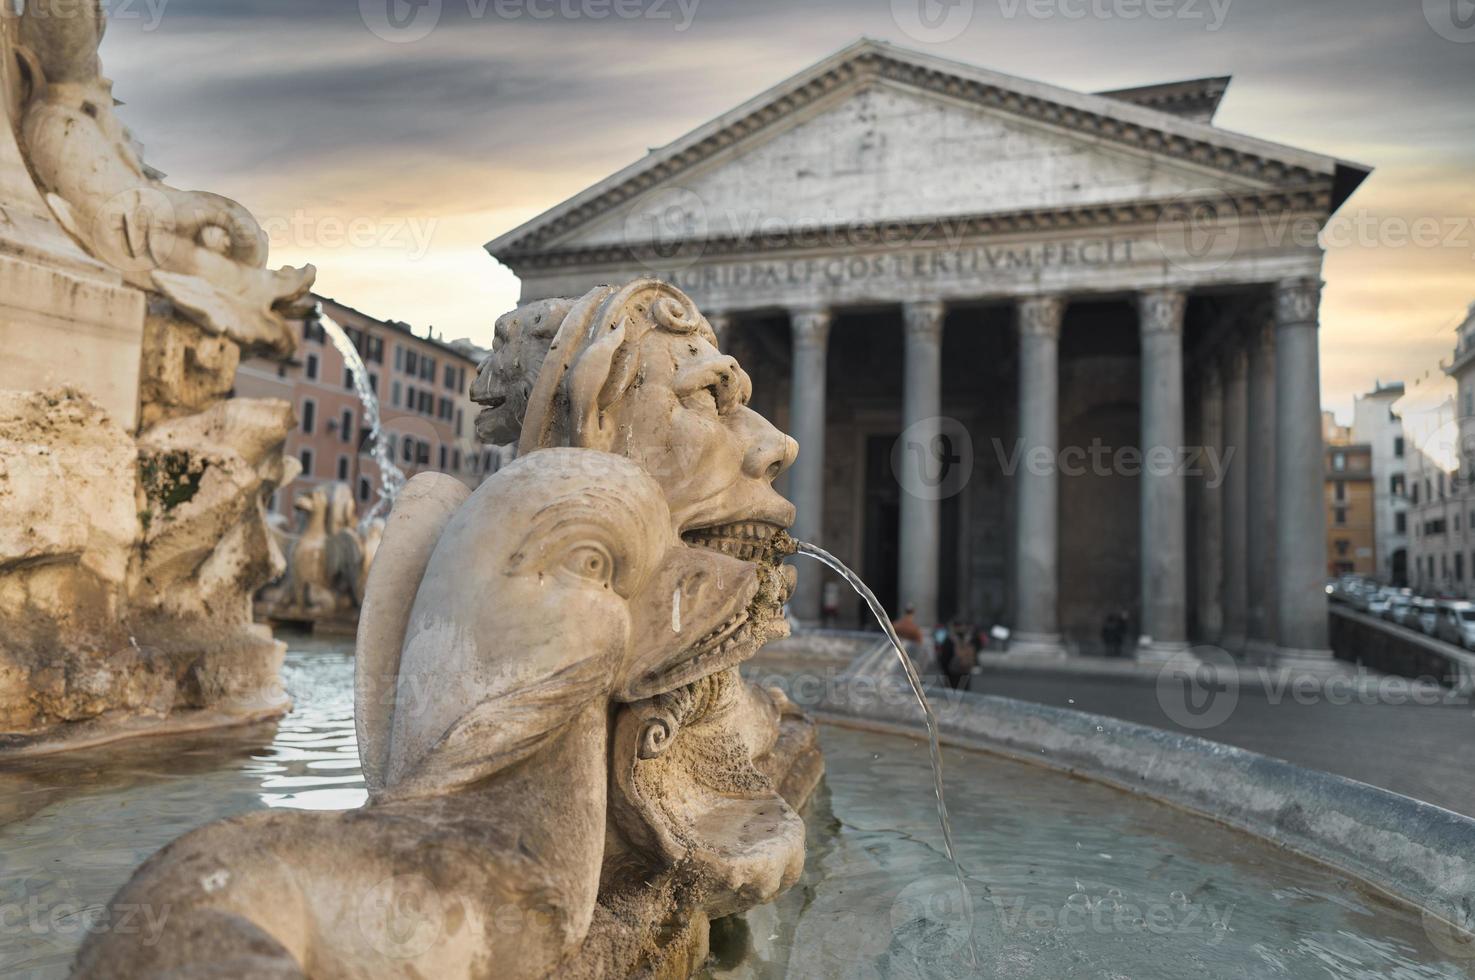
<point x="1049" y="355"/>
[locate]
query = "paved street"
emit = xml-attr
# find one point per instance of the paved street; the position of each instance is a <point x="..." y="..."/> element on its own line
<point x="1427" y="752"/>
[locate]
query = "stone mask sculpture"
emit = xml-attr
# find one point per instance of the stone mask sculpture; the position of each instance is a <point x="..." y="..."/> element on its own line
<point x="549" y="594"/>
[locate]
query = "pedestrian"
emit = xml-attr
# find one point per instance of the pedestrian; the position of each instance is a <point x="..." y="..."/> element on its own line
<point x="907" y="628"/>
<point x="830" y="604"/>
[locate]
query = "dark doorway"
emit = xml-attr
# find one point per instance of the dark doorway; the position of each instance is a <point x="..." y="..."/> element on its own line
<point x="881" y="531"/>
<point x="1400" y="568"/>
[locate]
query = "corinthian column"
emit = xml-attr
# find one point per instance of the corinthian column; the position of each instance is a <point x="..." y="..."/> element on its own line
<point x="921" y="406"/>
<point x="811" y="333"/>
<point x="1299" y="493"/>
<point x="1261" y="531"/>
<point x="1164" y="504"/>
<point x="1037" y="481"/>
<point x="1236" y="496"/>
<point x="1211" y="506"/>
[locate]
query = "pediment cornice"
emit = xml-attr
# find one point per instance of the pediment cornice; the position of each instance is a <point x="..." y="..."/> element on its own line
<point x="869" y="62"/>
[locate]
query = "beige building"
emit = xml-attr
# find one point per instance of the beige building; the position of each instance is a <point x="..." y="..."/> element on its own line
<point x="974" y="299"/>
<point x="1351" y="511"/>
<point x="421" y="384"/>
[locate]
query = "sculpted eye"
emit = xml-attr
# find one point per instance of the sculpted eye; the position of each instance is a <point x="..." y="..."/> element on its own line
<point x="703" y="400"/>
<point x="590" y="561"/>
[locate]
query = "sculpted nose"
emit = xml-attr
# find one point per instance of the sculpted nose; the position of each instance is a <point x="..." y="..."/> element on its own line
<point x="770" y="452"/>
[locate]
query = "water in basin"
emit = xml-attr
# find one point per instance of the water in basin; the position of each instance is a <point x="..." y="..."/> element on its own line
<point x="1067" y="878"/>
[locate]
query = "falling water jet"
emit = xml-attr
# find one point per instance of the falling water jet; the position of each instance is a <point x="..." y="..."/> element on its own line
<point x="391" y="477"/>
<point x="915" y="680"/>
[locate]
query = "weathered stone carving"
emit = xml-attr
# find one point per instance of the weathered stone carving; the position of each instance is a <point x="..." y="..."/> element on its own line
<point x="555" y="591"/>
<point x="202" y="251"/>
<point x="327" y="562"/>
<point x="139" y="604"/>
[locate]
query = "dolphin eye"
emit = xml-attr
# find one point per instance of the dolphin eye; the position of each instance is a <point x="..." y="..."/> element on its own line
<point x="590" y="561"/>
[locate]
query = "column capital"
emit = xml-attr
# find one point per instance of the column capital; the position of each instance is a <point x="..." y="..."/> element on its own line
<point x="1162" y="310"/>
<point x="1297" y="301"/>
<point x="924" y="319"/>
<point x="810" y="326"/>
<point x="1041" y="316"/>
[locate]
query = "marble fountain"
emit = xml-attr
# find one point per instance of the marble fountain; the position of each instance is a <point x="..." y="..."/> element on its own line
<point x="556" y="746"/>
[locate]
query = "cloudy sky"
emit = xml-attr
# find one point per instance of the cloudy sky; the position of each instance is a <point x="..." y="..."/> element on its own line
<point x="387" y="152"/>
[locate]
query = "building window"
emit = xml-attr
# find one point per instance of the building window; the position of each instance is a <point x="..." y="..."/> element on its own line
<point x="312" y="329"/>
<point x="1341" y="515"/>
<point x="348" y="377"/>
<point x="312" y="367"/>
<point x="375" y="351"/>
<point x="442" y="458"/>
<point x="450" y="376"/>
<point x="343" y="467"/>
<point x="446" y="409"/>
<point x="394" y="393"/>
<point x="345" y="433"/>
<point x="412" y="362"/>
<point x="458" y="423"/>
<point x="399" y="358"/>
<point x="305" y="457"/>
<point x="1460" y="567"/>
<point x="408" y="448"/>
<point x="374" y="383"/>
<point x="422" y="453"/>
<point x="1339" y="461"/>
<point x="363" y="488"/>
<point x="309" y="415"/>
<point x="1400" y="523"/>
<point x="1343" y="545"/>
<point x="456" y="460"/>
<point x="1398" y="447"/>
<point x="427" y="369"/>
<point x="1396" y="485"/>
<point x="1341" y="490"/>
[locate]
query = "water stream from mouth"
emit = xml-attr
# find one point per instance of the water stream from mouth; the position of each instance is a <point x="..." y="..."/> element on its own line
<point x="914" y="679"/>
<point x="391" y="477"/>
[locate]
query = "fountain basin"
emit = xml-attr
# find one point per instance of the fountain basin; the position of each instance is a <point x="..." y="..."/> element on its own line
<point x="1047" y="855"/>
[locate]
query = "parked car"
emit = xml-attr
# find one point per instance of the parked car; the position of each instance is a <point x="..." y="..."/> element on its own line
<point x="1425" y="616"/>
<point x="1377" y="601"/>
<point x="1457" y="623"/>
<point x="1397" y="606"/>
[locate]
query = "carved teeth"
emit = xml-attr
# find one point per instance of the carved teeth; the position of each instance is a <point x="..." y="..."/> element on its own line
<point x="744" y="540"/>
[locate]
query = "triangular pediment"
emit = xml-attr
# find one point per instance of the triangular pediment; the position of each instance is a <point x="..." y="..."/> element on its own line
<point x="877" y="135"/>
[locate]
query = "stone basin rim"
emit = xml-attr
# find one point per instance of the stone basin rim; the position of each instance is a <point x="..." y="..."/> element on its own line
<point x="1410" y="852"/>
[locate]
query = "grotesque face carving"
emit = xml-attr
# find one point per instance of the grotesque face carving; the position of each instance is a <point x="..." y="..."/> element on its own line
<point x="636" y="372"/>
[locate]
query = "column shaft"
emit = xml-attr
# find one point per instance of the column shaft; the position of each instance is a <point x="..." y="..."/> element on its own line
<point x="1236" y="494"/>
<point x="1211" y="505"/>
<point x="1164" y="503"/>
<point x="1299" y="493"/>
<point x="811" y="332"/>
<point x="1261" y="527"/>
<point x="921" y="411"/>
<point x="1037" y="481"/>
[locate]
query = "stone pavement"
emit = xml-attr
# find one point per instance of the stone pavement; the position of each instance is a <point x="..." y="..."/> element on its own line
<point x="1411" y="739"/>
